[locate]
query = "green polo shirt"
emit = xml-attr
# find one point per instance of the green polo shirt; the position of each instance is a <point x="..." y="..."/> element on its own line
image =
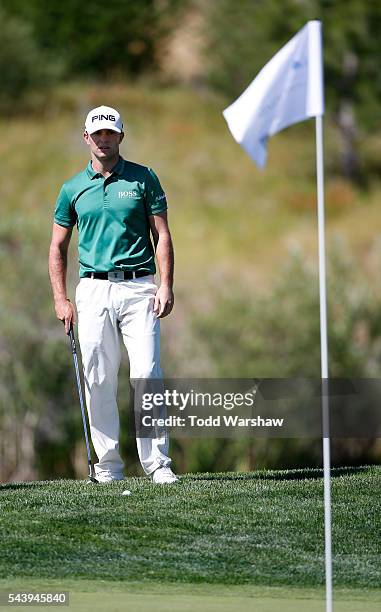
<point x="111" y="215"/>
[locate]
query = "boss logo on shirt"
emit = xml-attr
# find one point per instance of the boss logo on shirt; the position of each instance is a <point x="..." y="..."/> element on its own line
<point x="128" y="194"/>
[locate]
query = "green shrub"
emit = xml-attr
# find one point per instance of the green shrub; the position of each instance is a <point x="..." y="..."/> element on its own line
<point x="99" y="38"/>
<point x="24" y="68"/>
<point x="277" y="333"/>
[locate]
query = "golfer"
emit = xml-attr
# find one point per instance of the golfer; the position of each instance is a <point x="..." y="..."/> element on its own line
<point x="116" y="205"/>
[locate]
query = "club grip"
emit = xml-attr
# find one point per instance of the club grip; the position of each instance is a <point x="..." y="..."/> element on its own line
<point x="72" y="339"/>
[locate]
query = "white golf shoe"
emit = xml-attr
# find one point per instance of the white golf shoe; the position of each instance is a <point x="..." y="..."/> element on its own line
<point x="105" y="476"/>
<point x="164" y="475"/>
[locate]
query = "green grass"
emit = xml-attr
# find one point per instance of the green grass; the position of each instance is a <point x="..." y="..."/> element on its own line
<point x="253" y="531"/>
<point x="85" y="596"/>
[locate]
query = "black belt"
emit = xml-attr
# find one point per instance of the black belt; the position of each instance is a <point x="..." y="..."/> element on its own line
<point x="127" y="274"/>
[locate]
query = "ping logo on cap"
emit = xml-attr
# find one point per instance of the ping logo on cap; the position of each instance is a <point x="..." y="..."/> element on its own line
<point x="106" y="117"/>
<point x="103" y="118"/>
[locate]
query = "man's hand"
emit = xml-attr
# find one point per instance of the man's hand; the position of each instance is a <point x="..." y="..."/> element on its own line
<point x="164" y="300"/>
<point x="65" y="312"/>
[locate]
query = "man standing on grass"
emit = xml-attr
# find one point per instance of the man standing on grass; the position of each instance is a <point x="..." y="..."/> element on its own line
<point x="115" y="204"/>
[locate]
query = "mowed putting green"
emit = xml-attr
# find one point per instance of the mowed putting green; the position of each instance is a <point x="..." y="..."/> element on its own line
<point x="211" y="542"/>
<point x="86" y="596"/>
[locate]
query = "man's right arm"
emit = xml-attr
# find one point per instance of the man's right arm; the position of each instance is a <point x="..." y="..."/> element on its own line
<point x="59" y="247"/>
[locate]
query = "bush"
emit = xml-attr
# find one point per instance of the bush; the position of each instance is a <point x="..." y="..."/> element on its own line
<point x="99" y="38"/>
<point x="23" y="67"/>
<point x="278" y="334"/>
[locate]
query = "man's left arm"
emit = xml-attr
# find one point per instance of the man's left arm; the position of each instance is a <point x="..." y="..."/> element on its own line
<point x="164" y="298"/>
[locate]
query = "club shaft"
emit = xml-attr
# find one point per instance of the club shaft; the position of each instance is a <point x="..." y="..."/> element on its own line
<point x="80" y="394"/>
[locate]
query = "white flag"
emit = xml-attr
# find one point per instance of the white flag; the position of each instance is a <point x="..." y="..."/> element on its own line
<point x="287" y="90"/>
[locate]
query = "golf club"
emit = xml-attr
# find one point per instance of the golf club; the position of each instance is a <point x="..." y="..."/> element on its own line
<point x="74" y="351"/>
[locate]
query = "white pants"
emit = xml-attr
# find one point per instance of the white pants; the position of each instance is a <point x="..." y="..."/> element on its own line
<point x="103" y="306"/>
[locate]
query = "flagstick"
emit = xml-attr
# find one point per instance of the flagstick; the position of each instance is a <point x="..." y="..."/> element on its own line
<point x="324" y="365"/>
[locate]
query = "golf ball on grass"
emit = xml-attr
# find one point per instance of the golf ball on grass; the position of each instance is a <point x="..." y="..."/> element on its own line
<point x="126" y="492"/>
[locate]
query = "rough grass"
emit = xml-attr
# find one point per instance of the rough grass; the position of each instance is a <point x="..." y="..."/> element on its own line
<point x="263" y="528"/>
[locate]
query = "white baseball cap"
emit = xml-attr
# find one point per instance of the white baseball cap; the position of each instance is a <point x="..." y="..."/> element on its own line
<point x="103" y="118"/>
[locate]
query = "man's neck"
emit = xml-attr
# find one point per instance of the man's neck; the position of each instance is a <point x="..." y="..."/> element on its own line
<point x="104" y="167"/>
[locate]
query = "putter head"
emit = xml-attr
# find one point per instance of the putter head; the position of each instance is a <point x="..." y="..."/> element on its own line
<point x="92" y="479"/>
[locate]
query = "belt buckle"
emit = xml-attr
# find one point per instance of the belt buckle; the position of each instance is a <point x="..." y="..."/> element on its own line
<point x="116" y="275"/>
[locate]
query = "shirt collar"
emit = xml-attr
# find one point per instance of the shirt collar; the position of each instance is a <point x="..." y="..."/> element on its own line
<point x="117" y="169"/>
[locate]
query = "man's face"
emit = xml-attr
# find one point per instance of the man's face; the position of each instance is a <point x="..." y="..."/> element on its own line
<point x="104" y="144"/>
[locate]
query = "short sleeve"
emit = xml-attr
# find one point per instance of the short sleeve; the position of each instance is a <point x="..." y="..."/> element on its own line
<point x="64" y="213"/>
<point x="156" y="201"/>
